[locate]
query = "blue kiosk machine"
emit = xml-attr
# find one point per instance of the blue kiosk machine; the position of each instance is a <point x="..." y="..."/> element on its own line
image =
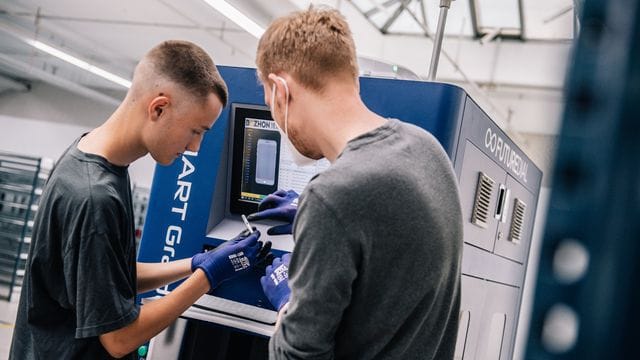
<point x="196" y="204"/>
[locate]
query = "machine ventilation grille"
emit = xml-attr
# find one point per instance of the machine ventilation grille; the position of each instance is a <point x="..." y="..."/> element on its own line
<point x="517" y="220"/>
<point x="480" y="215"/>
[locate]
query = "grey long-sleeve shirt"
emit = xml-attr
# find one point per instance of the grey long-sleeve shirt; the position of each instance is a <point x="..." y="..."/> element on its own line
<point x="375" y="271"/>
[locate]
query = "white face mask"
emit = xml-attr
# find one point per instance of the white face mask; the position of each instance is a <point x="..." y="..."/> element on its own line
<point x="298" y="158"/>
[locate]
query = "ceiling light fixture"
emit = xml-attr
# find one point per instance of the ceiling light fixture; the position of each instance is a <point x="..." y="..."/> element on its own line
<point x="237" y="17"/>
<point x="79" y="63"/>
<point x="27" y="38"/>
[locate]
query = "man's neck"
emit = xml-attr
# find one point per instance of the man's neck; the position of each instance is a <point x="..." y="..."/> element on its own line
<point x="342" y="119"/>
<point x="115" y="140"/>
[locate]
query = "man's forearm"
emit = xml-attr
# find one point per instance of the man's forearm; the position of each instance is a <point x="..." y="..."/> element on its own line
<point x="155" y="316"/>
<point x="153" y="275"/>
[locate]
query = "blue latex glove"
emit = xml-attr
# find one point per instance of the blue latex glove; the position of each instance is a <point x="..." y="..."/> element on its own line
<point x="275" y="283"/>
<point x="281" y="205"/>
<point x="230" y="259"/>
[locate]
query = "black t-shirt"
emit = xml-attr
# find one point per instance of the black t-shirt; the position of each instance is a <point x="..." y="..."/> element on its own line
<point x="81" y="271"/>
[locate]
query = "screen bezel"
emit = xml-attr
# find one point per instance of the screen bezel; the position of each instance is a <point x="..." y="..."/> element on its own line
<point x="239" y="112"/>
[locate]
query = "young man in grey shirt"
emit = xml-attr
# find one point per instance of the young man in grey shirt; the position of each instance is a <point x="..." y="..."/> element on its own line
<point x="375" y="271"/>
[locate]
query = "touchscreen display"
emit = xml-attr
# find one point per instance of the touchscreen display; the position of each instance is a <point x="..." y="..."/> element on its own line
<point x="261" y="161"/>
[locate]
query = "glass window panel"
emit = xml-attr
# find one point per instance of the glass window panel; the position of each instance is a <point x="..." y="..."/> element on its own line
<point x="543" y="19"/>
<point x="493" y="14"/>
<point x="458" y="17"/>
<point x="548" y="19"/>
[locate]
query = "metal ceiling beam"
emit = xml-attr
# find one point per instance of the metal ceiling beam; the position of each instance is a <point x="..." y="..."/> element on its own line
<point x="474" y="18"/>
<point x="377" y="9"/>
<point x="423" y="10"/>
<point x="394" y="16"/>
<point x="58" y="81"/>
<point x="56" y="30"/>
<point x="522" y="25"/>
<point x="120" y="22"/>
<point x="7" y="83"/>
<point x="558" y="14"/>
<point x="27" y="38"/>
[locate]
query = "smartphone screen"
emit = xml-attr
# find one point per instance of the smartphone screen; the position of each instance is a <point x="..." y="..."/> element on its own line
<point x="266" y="153"/>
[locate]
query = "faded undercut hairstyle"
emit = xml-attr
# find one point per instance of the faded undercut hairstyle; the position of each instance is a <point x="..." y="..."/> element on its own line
<point x="188" y="65"/>
<point x="310" y="45"/>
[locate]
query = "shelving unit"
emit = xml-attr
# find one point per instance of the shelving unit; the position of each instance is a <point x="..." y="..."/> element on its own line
<point x="140" y="197"/>
<point x="21" y="182"/>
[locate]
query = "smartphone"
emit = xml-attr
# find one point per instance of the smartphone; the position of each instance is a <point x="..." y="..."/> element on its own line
<point x="266" y="153"/>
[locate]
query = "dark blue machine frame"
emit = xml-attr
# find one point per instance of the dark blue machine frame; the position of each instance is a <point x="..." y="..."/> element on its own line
<point x="186" y="196"/>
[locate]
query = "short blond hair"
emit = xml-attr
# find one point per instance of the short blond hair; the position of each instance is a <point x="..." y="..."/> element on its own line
<point x="310" y="45"/>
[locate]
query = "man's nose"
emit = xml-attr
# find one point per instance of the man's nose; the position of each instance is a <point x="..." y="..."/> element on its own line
<point x="194" y="144"/>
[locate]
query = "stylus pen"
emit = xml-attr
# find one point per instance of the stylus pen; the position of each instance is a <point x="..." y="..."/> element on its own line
<point x="246" y="223"/>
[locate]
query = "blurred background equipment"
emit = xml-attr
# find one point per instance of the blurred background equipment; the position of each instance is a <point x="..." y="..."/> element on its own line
<point x="586" y="303"/>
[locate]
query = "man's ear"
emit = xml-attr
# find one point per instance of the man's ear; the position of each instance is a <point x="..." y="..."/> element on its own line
<point x="157" y="107"/>
<point x="281" y="89"/>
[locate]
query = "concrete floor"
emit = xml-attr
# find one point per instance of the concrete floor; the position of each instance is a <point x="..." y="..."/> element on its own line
<point x="8" y="312"/>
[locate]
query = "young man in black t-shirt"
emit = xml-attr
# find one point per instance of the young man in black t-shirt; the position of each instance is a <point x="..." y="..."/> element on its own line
<point x="79" y="291"/>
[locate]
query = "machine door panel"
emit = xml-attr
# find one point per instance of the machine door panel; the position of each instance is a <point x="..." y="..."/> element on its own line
<point x="473" y="298"/>
<point x="497" y="327"/>
<point x="514" y="235"/>
<point x="480" y="181"/>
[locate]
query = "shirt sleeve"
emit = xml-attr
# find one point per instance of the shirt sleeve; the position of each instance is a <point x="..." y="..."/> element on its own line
<point x="98" y="275"/>
<point x="322" y="270"/>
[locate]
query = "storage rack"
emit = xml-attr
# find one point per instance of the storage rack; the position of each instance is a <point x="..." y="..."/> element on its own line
<point x="21" y="182"/>
<point x="140" y="197"/>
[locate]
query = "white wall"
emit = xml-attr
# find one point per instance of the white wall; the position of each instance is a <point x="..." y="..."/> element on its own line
<point x="47" y="139"/>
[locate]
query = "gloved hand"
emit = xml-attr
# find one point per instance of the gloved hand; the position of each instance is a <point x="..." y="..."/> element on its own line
<point x="275" y="283"/>
<point x="281" y="205"/>
<point x="265" y="258"/>
<point x="230" y="259"/>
